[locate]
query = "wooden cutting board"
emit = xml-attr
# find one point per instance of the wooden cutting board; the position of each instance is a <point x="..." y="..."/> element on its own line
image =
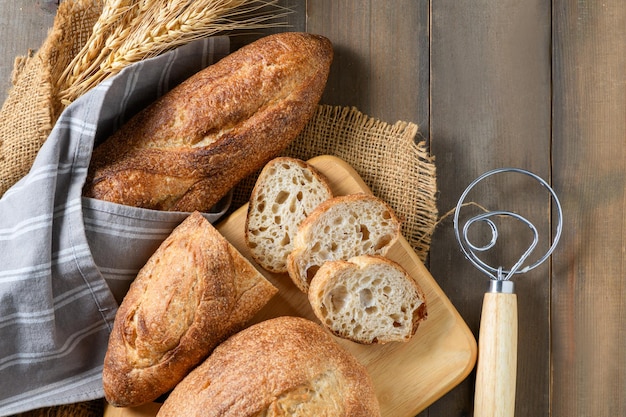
<point x="408" y="377"/>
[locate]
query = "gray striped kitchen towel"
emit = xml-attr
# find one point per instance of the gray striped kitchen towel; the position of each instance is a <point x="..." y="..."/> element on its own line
<point x="67" y="261"/>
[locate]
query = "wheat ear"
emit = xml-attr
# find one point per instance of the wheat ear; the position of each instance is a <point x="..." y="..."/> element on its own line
<point x="129" y="31"/>
<point x="114" y="14"/>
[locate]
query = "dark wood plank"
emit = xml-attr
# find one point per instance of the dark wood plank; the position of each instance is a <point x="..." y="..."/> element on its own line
<point x="23" y="26"/>
<point x="400" y="62"/>
<point x="589" y="291"/>
<point x="347" y="25"/>
<point x="291" y="17"/>
<point x="381" y="56"/>
<point x="490" y="108"/>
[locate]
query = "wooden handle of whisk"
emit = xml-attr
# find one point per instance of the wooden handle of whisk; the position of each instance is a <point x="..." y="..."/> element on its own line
<point x="497" y="356"/>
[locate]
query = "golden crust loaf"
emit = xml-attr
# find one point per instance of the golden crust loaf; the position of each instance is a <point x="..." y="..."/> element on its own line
<point x="194" y="292"/>
<point x="186" y="150"/>
<point x="286" y="366"/>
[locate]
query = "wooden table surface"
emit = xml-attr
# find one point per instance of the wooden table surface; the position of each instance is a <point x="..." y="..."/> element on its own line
<point x="536" y="84"/>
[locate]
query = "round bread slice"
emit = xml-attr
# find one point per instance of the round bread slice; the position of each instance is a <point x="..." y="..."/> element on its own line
<point x="285" y="366"/>
<point x="341" y="228"/>
<point x="367" y="299"/>
<point x="286" y="192"/>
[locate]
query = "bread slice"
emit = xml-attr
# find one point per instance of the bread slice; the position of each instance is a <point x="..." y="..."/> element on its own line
<point x="367" y="299"/>
<point x="341" y="228"/>
<point x="285" y="366"/>
<point x="194" y="292"/>
<point x="286" y="192"/>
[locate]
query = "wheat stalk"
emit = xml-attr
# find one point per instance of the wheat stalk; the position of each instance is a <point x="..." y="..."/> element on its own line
<point x="114" y="13"/>
<point x="128" y="31"/>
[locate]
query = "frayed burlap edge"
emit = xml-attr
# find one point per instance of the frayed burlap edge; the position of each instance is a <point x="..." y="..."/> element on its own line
<point x="32" y="107"/>
<point x="391" y="161"/>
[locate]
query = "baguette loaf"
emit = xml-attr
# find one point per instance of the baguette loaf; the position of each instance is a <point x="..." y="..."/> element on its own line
<point x="341" y="228"/>
<point x="194" y="292"/>
<point x="285" y="366"/>
<point x="286" y="191"/>
<point x="367" y="299"/>
<point x="190" y="147"/>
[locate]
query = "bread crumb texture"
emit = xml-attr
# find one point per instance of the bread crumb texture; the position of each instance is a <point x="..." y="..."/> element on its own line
<point x="339" y="229"/>
<point x="285" y="193"/>
<point x="368" y="299"/>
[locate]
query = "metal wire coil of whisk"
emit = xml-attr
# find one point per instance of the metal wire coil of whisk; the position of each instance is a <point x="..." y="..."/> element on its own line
<point x="470" y="250"/>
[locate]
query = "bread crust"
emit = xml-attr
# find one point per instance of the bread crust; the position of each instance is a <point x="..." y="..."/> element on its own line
<point x="193" y="293"/>
<point x="190" y="147"/>
<point x="285" y="366"/>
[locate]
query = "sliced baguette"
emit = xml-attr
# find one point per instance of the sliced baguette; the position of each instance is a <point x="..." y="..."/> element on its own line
<point x="367" y="299"/>
<point x="286" y="192"/>
<point x="341" y="228"/>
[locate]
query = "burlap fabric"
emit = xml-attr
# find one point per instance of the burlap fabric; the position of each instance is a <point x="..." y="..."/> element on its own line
<point x="388" y="157"/>
<point x="31" y="107"/>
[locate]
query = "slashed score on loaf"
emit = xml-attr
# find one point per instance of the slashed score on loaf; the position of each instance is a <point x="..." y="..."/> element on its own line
<point x="193" y="292"/>
<point x="367" y="299"/>
<point x="190" y="147"/>
<point x="285" y="366"/>
<point x="286" y="191"/>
